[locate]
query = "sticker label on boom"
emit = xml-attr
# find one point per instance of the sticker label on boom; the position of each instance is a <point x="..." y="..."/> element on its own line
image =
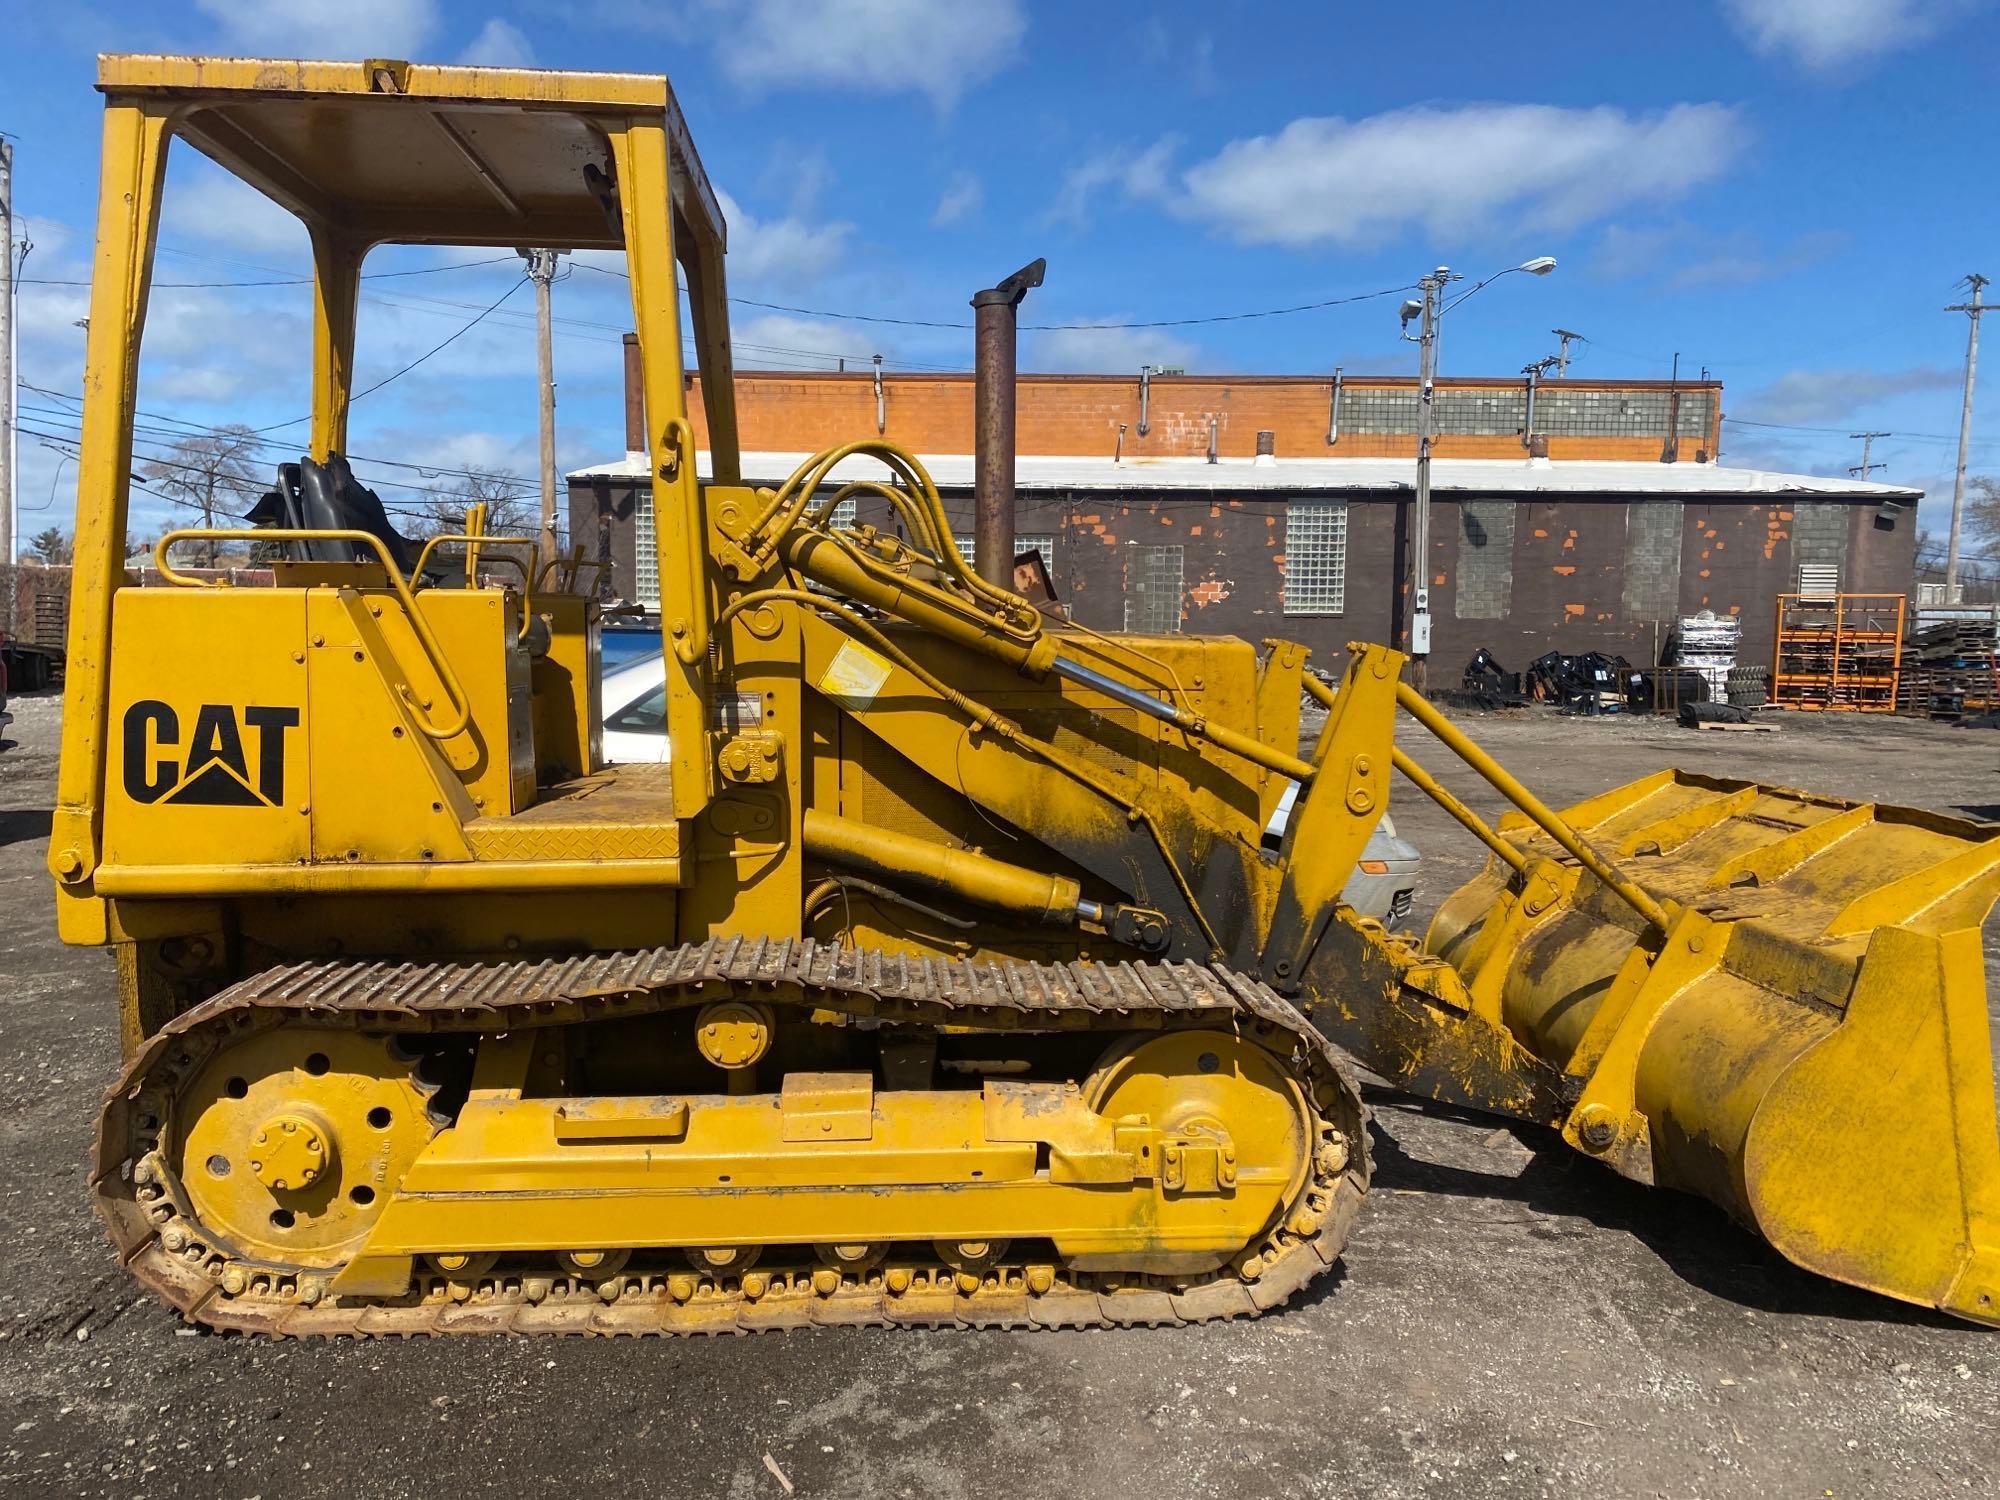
<point x="854" y="676"/>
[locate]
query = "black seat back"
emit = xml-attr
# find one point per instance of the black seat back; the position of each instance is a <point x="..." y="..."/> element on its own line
<point x="327" y="497"/>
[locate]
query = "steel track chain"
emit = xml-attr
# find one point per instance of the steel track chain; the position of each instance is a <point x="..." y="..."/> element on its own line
<point x="160" y="1241"/>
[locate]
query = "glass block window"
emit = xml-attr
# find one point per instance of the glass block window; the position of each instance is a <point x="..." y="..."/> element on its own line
<point x="1478" y="413"/>
<point x="1654" y="529"/>
<point x="1153" y="581"/>
<point x="645" y="552"/>
<point x="1502" y="411"/>
<point x="1565" y="413"/>
<point x="1819" y="534"/>
<point x="1040" y="542"/>
<point x="1316" y="558"/>
<point x="1365" y="410"/>
<point x="1485" y="559"/>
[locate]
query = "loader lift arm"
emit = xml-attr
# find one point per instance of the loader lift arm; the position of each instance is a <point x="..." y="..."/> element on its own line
<point x="1770" y="999"/>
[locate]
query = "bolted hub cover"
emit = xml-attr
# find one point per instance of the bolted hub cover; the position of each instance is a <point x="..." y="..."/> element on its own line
<point x="290" y="1152"/>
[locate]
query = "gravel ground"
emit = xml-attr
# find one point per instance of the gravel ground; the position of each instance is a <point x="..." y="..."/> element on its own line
<point x="1510" y="1320"/>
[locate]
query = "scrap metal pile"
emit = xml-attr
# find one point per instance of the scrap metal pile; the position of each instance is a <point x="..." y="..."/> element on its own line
<point x="1588" y="683"/>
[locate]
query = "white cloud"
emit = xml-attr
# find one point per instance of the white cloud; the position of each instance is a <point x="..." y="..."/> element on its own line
<point x="787" y="251"/>
<point x="939" y="48"/>
<point x="1140" y="174"/>
<point x="1807" y="397"/>
<point x="784" y="341"/>
<point x="203" y="202"/>
<point x="1450" y="170"/>
<point x="1824" y="34"/>
<point x="1684" y="255"/>
<point x="962" y="195"/>
<point x="1169" y="46"/>
<point x="1101" y="350"/>
<point x="325" y="28"/>
<point x="489" y="452"/>
<point x="499" y="44"/>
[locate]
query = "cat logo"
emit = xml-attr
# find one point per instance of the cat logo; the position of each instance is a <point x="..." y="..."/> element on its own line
<point x="215" y="773"/>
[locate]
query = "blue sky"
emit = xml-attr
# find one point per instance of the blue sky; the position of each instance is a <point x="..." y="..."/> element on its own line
<point x="1784" y="191"/>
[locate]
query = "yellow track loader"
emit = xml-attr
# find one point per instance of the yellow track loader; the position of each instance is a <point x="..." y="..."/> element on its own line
<point x="940" y="975"/>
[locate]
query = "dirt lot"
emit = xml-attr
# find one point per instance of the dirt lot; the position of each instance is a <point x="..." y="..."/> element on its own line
<point x="1509" y="1322"/>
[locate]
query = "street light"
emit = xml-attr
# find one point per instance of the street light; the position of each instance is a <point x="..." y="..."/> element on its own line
<point x="1430" y="310"/>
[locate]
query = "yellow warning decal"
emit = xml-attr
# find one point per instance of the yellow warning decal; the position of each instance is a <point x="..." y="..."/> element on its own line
<point x="854" y="676"/>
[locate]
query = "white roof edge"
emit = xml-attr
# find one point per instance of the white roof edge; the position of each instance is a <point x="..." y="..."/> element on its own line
<point x="1239" y="475"/>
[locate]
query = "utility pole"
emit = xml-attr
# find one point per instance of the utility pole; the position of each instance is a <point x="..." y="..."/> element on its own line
<point x="1972" y="310"/>
<point x="1865" y="468"/>
<point x="1562" y="359"/>
<point x="7" y="382"/>
<point x="1420" y="521"/>
<point x="1431" y="310"/>
<point x="1670" y="451"/>
<point x="542" y="271"/>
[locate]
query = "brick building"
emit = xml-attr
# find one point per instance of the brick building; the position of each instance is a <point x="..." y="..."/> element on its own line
<point x="1573" y="515"/>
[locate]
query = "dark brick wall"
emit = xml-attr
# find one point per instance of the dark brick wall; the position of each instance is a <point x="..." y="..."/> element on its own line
<point x="601" y="518"/>
<point x="1569" y="588"/>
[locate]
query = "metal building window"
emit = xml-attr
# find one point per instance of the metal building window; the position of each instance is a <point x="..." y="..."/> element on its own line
<point x="645" y="552"/>
<point x="1819" y="580"/>
<point x="1315" y="581"/>
<point x="1153" y="581"/>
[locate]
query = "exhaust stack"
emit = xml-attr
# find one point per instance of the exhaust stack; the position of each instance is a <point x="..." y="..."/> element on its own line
<point x="993" y="423"/>
<point x="635" y="397"/>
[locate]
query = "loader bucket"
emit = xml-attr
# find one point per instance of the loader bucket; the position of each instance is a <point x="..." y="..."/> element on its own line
<point x="1804" y="1042"/>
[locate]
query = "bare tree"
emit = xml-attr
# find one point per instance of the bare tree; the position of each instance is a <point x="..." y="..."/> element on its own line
<point x="215" y="472"/>
<point x="511" y="506"/>
<point x="1929" y="556"/>
<point x="1982" y="512"/>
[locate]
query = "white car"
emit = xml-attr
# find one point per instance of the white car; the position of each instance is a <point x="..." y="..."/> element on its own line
<point x="635" y="710"/>
<point x="1383" y="886"/>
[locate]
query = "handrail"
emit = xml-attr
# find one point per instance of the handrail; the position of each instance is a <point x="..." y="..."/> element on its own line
<point x="474" y="541"/>
<point x="575" y="563"/>
<point x="479" y="539"/>
<point x="433" y="655"/>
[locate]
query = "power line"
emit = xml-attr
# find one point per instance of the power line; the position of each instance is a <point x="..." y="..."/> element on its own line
<point x="399" y="374"/>
<point x="202" y="429"/>
<point x="1842" y="431"/>
<point x="163" y="461"/>
<point x="462" y="265"/>
<point x="821" y="312"/>
<point x="140" y="452"/>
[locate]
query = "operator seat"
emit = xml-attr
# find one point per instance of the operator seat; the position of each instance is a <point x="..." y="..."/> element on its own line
<point x="327" y="497"/>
